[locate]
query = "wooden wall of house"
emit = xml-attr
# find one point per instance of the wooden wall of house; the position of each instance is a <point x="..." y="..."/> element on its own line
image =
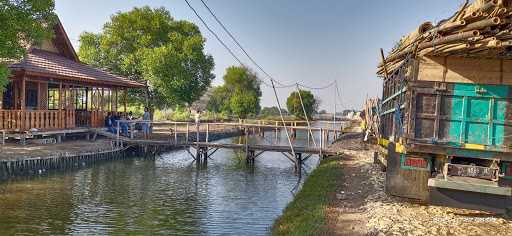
<point x="465" y="70"/>
<point x="43" y="96"/>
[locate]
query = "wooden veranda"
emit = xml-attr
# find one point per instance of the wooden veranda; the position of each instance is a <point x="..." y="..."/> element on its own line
<point x="51" y="89"/>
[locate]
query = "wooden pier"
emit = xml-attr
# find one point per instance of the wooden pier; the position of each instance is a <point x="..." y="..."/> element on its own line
<point x="196" y="137"/>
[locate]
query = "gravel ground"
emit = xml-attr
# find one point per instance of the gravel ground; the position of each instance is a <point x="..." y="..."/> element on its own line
<point x="361" y="207"/>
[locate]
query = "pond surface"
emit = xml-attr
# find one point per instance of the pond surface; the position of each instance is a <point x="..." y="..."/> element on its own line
<point x="169" y="195"/>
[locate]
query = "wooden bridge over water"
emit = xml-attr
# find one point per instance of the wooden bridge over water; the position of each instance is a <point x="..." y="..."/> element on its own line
<point x="197" y="137"/>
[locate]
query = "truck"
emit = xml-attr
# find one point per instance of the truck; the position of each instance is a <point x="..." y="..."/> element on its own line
<point x="445" y="116"/>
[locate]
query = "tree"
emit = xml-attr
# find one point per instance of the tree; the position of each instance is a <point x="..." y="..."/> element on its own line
<point x="219" y="100"/>
<point x="24" y="23"/>
<point x="295" y="107"/>
<point x="272" y="111"/>
<point x="149" y="46"/>
<point x="239" y="95"/>
<point x="244" y="103"/>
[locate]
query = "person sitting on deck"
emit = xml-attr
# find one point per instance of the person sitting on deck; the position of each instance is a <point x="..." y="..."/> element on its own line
<point x="124" y="125"/>
<point x="109" y="123"/>
<point x="130" y="116"/>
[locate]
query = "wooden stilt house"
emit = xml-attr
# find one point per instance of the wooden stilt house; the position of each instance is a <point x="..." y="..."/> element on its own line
<point x="50" y="89"/>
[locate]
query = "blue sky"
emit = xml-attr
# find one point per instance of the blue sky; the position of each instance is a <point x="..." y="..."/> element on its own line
<point x="314" y="42"/>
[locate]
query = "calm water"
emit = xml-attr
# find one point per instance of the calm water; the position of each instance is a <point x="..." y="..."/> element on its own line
<point x="169" y="195"/>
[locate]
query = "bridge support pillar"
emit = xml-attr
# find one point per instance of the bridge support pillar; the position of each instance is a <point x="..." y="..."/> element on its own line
<point x="202" y="156"/>
<point x="250" y="157"/>
<point x="205" y="156"/>
<point x="298" y="163"/>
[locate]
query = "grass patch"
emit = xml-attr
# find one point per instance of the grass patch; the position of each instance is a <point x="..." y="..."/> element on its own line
<point x="305" y="215"/>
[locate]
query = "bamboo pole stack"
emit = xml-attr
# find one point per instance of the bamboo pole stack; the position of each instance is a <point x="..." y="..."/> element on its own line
<point x="480" y="29"/>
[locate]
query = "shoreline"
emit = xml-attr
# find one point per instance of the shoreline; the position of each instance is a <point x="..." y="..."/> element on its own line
<point x="36" y="159"/>
<point x="304" y="215"/>
<point x="356" y="204"/>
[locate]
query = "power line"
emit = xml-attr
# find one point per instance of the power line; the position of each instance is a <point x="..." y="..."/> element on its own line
<point x="229" y="49"/>
<point x="318" y="88"/>
<point x="237" y="42"/>
<point x="250" y="58"/>
<point x="272" y="79"/>
<point x="212" y="32"/>
<point x="282" y="85"/>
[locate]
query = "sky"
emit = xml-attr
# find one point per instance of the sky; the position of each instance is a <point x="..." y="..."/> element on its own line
<point x="310" y="42"/>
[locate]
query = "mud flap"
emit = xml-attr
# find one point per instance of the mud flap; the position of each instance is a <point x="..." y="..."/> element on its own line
<point x="471" y="200"/>
<point x="405" y="182"/>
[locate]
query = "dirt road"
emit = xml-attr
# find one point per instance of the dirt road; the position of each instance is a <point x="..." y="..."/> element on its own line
<point x="360" y="206"/>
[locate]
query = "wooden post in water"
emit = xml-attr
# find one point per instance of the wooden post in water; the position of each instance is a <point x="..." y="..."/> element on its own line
<point x="207" y="132"/>
<point x="321" y="140"/>
<point x="298" y="164"/>
<point x="246" y="144"/>
<point x="175" y="134"/>
<point x="309" y="135"/>
<point x="186" y="135"/>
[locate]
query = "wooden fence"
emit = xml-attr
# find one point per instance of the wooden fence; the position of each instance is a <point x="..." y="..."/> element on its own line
<point x="19" y="120"/>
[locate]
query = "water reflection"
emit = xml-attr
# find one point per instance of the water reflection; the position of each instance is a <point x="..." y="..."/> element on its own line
<point x="168" y="195"/>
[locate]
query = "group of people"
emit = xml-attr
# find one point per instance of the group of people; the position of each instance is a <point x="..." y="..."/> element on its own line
<point x="111" y="121"/>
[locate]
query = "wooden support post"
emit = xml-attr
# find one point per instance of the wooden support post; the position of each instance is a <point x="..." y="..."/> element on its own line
<point x="125" y="100"/>
<point x="246" y="143"/>
<point x="22" y="93"/>
<point x="207" y="132"/>
<point x="22" y="104"/>
<point x="298" y="164"/>
<point x="197" y="138"/>
<point x="198" y="155"/>
<point x="114" y="103"/>
<point x="384" y="63"/>
<point x="175" y="134"/>
<point x="205" y="156"/>
<point x="38" y="96"/>
<point x="309" y="136"/>
<point x="102" y="99"/>
<point x="61" y="107"/>
<point x="321" y="140"/>
<point x="187" y="135"/>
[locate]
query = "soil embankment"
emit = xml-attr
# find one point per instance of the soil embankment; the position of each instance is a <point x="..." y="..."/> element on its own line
<point x="359" y="205"/>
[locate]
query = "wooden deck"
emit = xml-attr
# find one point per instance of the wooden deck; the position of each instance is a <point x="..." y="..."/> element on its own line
<point x="267" y="148"/>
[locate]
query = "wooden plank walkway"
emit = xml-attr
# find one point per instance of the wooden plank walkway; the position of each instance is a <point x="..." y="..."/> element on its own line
<point x="267" y="148"/>
<point x="173" y="141"/>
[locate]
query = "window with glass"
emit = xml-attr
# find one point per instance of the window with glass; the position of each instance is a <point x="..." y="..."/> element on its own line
<point x="53" y="99"/>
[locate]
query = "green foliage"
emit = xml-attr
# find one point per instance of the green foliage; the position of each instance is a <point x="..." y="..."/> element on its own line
<point x="242" y="78"/>
<point x="4" y="74"/>
<point x="240" y="94"/>
<point x="24" y="22"/>
<point x="149" y="46"/>
<point x="306" y="215"/>
<point x="181" y="113"/>
<point x="244" y="103"/>
<point x="271" y="112"/>
<point x="219" y="100"/>
<point x="294" y="105"/>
